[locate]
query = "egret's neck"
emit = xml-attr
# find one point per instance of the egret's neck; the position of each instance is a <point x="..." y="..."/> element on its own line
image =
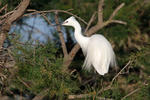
<point x="78" y="35"/>
<point x="82" y="40"/>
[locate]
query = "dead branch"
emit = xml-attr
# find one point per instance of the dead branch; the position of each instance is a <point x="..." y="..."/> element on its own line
<point x="110" y="86"/>
<point x="116" y="11"/>
<point x="130" y="93"/>
<point x="6" y="15"/>
<point x="99" y="25"/>
<point x="2" y="39"/>
<point x="129" y="62"/>
<point x="72" y="54"/>
<point x="41" y="95"/>
<point x="33" y="12"/>
<point x="11" y="18"/>
<point x="100" y="11"/>
<point x="86" y="96"/>
<point x="24" y="83"/>
<point x="118" y="21"/>
<point x="90" y="22"/>
<point x="46" y="19"/>
<point x="3" y="8"/>
<point x="19" y="12"/>
<point x="61" y="36"/>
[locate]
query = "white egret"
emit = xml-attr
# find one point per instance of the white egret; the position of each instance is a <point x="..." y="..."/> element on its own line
<point x="97" y="49"/>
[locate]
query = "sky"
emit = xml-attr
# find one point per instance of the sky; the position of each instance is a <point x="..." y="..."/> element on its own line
<point x="40" y="30"/>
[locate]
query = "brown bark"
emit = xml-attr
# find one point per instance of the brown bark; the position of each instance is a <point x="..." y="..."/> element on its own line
<point x="17" y="13"/>
<point x="61" y="37"/>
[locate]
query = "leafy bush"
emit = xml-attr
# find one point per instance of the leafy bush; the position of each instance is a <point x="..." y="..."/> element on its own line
<point x="40" y="68"/>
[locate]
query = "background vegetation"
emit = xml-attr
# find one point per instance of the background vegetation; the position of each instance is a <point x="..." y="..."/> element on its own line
<point x="33" y="69"/>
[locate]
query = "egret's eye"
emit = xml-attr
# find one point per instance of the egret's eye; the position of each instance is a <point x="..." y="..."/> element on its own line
<point x="66" y="21"/>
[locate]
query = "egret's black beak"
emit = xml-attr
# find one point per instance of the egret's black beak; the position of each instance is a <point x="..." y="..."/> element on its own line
<point x="64" y="23"/>
<point x="58" y="25"/>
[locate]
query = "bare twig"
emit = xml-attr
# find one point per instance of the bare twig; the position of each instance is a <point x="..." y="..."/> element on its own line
<point x="7" y="14"/>
<point x="2" y="39"/>
<point x="86" y="96"/>
<point x="90" y="22"/>
<point x="69" y="10"/>
<point x="118" y="21"/>
<point x="100" y="11"/>
<point x="129" y="62"/>
<point x="130" y="93"/>
<point x="61" y="36"/>
<point x="41" y="95"/>
<point x="110" y="86"/>
<point x="104" y="89"/>
<point x="116" y="10"/>
<point x="47" y="20"/>
<point x="43" y="15"/>
<point x="24" y="83"/>
<point x="3" y="8"/>
<point x="49" y="11"/>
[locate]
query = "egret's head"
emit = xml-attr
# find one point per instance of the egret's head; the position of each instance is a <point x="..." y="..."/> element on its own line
<point x="70" y="21"/>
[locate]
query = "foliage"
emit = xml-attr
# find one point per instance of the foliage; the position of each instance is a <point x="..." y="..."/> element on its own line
<point x="40" y="68"/>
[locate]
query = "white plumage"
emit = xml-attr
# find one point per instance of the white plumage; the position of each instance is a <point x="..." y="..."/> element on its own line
<point x="97" y="49"/>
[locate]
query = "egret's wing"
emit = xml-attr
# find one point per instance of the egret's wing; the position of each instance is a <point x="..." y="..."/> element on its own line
<point x="99" y="54"/>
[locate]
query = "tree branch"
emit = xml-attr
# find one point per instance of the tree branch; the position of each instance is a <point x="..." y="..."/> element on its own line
<point x="11" y="18"/>
<point x="47" y="20"/>
<point x="118" y="21"/>
<point x="49" y="11"/>
<point x="19" y="12"/>
<point x="116" y="10"/>
<point x="121" y="71"/>
<point x="86" y="96"/>
<point x="110" y="86"/>
<point x="61" y="36"/>
<point x="130" y="93"/>
<point x="100" y="11"/>
<point x="3" y="8"/>
<point x="41" y="95"/>
<point x="90" y="22"/>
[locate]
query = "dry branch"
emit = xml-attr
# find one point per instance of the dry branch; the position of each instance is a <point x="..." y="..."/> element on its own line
<point x="17" y="13"/>
<point x="100" y="11"/>
<point x="46" y="19"/>
<point x="61" y="37"/>
<point x="3" y="8"/>
<point x="33" y="12"/>
<point x="6" y="15"/>
<point x="41" y="95"/>
<point x="80" y="96"/>
<point x="118" y="21"/>
<point x="24" y="83"/>
<point x="90" y="22"/>
<point x="121" y="71"/>
<point x="116" y="11"/>
<point x="130" y="93"/>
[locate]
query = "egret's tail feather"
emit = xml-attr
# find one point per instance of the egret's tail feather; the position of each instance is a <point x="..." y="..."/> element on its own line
<point x="87" y="64"/>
